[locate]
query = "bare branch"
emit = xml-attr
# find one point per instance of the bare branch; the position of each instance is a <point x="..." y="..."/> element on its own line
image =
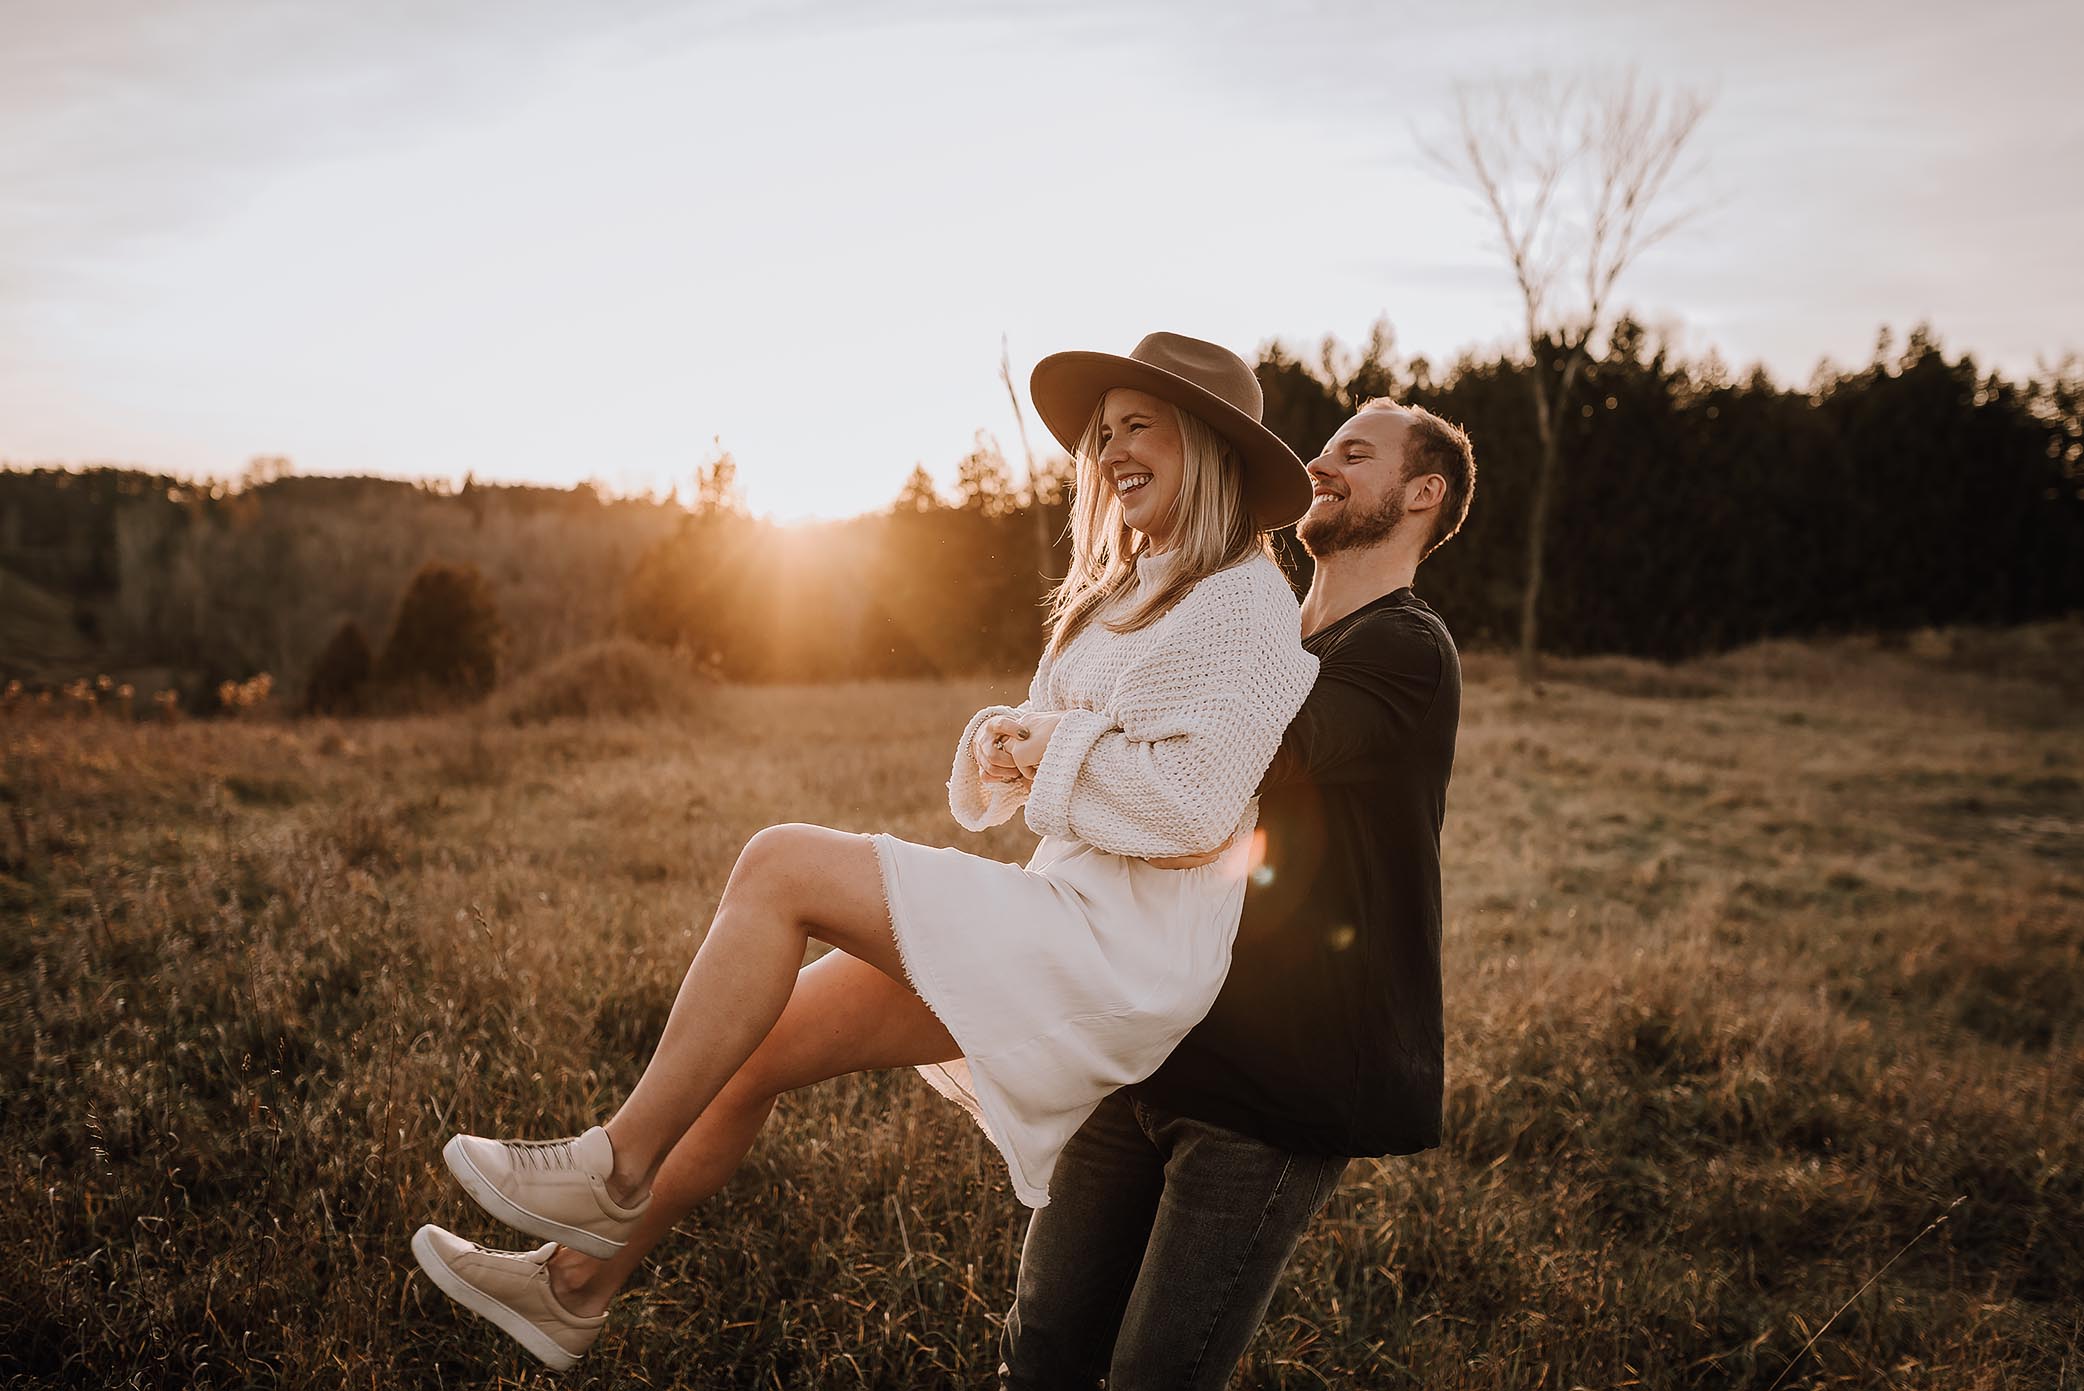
<point x="1637" y="144"/>
<point x="1573" y="174"/>
<point x="1512" y="152"/>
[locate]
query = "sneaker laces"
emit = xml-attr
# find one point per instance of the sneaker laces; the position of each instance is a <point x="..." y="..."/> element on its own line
<point x="542" y="1154"/>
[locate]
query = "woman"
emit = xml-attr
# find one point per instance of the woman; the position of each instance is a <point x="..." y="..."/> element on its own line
<point x="1173" y="666"/>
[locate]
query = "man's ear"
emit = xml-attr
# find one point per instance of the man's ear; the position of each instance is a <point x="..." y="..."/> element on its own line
<point x="1425" y="492"/>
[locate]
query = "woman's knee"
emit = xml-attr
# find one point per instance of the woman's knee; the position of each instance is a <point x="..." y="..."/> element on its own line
<point x="824" y="882"/>
<point x="775" y="856"/>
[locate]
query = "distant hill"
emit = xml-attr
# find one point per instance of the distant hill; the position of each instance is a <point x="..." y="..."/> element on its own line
<point x="147" y="576"/>
<point x="40" y="635"/>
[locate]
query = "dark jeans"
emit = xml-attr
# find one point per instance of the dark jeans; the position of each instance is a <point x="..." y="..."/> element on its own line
<point x="1155" y="1260"/>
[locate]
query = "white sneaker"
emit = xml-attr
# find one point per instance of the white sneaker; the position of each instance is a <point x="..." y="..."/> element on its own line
<point x="553" y="1189"/>
<point x="512" y="1289"/>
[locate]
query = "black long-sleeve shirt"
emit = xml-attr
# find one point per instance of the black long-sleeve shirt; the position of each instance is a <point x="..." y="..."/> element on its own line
<point x="1326" y="1037"/>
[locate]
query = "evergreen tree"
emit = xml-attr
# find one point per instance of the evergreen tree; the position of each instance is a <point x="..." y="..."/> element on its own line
<point x="341" y="674"/>
<point x="918" y="494"/>
<point x="447" y="636"/>
<point x="983" y="483"/>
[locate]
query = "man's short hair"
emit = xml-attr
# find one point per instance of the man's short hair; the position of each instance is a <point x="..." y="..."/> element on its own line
<point x="1436" y="446"/>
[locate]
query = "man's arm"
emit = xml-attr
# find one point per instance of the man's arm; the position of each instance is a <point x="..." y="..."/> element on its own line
<point x="1374" y="691"/>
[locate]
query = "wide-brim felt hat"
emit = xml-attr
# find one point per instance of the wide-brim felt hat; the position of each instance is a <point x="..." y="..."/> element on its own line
<point x="1211" y="381"/>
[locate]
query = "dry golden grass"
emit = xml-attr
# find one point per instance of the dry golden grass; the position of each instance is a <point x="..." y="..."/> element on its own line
<point x="1755" y="966"/>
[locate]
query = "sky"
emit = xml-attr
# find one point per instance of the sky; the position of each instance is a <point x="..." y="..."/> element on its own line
<point x="545" y="242"/>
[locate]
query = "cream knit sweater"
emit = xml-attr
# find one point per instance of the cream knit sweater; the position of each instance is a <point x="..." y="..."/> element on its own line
<point x="1166" y="730"/>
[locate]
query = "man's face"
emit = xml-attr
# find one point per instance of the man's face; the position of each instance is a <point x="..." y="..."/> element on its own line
<point x="1357" y="484"/>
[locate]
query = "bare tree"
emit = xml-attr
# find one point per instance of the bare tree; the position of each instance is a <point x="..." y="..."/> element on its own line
<point x="1572" y="172"/>
<point x="1036" y="505"/>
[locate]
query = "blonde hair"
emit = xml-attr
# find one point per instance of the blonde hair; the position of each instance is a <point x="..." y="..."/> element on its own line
<point x="1212" y="530"/>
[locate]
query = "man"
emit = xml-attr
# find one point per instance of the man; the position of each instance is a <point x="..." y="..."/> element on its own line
<point x="1176" y="1206"/>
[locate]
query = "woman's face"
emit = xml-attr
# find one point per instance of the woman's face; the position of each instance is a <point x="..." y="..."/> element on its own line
<point x="1142" y="459"/>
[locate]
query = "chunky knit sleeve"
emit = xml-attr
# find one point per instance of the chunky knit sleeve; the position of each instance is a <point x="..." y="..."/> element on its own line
<point x="1169" y="765"/>
<point x="976" y="802"/>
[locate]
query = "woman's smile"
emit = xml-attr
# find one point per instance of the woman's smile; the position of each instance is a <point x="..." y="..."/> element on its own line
<point x="1143" y="458"/>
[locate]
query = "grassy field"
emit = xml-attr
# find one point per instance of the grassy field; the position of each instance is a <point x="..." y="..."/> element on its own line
<point x="1756" y="968"/>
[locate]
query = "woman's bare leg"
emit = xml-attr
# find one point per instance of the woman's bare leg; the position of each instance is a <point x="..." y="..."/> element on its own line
<point x="844" y="1016"/>
<point x="791" y="883"/>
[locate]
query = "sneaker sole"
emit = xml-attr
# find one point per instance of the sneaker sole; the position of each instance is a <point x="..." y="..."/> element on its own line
<point x="485" y="1195"/>
<point x="509" y="1321"/>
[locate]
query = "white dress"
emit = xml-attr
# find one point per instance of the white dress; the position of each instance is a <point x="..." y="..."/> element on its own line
<point x="1076" y="975"/>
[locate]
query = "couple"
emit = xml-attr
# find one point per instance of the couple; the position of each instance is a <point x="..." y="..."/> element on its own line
<point x="1217" y="978"/>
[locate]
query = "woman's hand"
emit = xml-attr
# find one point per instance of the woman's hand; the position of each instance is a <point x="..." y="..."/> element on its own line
<point x="1027" y="750"/>
<point x="992" y="750"/>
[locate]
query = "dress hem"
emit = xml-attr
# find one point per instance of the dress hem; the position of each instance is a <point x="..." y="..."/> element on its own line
<point x="919" y="979"/>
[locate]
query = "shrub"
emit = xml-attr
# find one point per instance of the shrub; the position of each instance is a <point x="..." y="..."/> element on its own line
<point x="245" y="698"/>
<point x="341" y="673"/>
<point x="617" y="677"/>
<point x="448" y="636"/>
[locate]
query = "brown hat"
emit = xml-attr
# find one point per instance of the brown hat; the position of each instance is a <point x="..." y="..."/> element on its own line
<point x="1212" y="382"/>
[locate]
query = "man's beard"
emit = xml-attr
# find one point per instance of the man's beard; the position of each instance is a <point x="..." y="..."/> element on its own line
<point x="1349" y="528"/>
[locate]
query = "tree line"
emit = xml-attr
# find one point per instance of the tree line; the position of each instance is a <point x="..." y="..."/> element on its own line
<point x="1700" y="510"/>
<point x="1697" y="510"/>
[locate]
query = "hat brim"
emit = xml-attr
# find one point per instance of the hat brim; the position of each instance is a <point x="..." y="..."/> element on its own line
<point x="1066" y="387"/>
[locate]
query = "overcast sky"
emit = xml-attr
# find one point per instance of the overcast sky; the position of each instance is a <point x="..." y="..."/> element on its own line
<point x="550" y="241"/>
